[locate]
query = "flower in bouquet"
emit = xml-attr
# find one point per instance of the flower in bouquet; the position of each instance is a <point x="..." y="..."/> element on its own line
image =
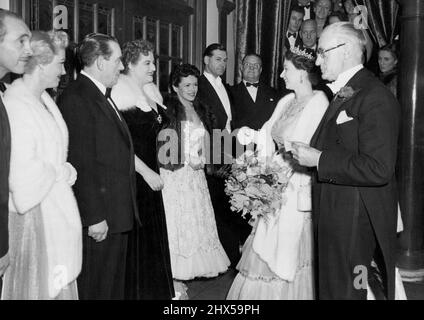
<point x="256" y="187"/>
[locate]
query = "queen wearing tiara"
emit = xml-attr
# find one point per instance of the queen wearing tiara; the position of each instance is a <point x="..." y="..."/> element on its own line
<point x="277" y="260"/>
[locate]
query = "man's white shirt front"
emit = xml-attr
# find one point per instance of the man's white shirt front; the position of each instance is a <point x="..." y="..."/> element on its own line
<point x="292" y="40"/>
<point x="344" y="78"/>
<point x="102" y="89"/>
<point x="223" y="96"/>
<point x="253" y="91"/>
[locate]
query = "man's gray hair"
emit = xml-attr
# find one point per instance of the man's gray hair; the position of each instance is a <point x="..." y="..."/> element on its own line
<point x="346" y="31"/>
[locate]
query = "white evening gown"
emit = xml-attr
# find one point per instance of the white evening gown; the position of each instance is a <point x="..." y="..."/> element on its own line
<point x="194" y="245"/>
<point x="277" y="261"/>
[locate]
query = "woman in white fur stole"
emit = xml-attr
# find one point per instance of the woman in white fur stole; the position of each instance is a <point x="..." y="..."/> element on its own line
<point x="44" y="222"/>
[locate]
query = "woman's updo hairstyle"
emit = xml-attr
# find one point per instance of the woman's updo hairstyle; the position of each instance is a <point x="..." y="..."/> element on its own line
<point x="301" y="62"/>
<point x="45" y="45"/>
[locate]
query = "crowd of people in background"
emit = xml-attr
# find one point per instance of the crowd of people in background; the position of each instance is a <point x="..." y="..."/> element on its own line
<point x="88" y="210"/>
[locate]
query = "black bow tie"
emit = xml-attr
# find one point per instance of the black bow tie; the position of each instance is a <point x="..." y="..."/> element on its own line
<point x="291" y="35"/>
<point x="108" y="92"/>
<point x="2" y="87"/>
<point x="308" y="6"/>
<point x="248" y="84"/>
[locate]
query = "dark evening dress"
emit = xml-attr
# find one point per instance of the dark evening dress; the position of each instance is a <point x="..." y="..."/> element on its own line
<point x="149" y="275"/>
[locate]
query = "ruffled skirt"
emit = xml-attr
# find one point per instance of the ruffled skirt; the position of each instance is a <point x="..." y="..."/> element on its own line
<point x="255" y="280"/>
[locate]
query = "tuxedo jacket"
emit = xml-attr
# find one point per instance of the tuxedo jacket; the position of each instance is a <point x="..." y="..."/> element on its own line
<point x="4" y="179"/>
<point x="209" y="98"/>
<point x="101" y="150"/>
<point x="251" y="113"/>
<point x="358" y="138"/>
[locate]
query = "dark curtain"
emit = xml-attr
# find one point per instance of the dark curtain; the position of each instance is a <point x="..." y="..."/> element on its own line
<point x="382" y="20"/>
<point x="260" y="26"/>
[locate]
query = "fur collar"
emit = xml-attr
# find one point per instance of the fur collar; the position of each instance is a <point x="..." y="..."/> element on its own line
<point x="127" y="95"/>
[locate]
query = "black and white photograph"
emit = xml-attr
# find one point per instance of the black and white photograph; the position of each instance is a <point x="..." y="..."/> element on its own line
<point x="224" y="152"/>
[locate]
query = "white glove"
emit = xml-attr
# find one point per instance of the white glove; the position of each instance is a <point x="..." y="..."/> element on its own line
<point x="67" y="173"/>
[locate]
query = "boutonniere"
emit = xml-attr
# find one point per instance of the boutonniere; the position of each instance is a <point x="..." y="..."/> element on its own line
<point x="347" y="93"/>
<point x="159" y="119"/>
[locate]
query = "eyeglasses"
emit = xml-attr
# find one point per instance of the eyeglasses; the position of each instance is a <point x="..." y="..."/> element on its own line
<point x="255" y="66"/>
<point x="321" y="51"/>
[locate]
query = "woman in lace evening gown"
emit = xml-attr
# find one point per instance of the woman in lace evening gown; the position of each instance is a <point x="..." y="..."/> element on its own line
<point x="193" y="238"/>
<point x="148" y="274"/>
<point x="277" y="261"/>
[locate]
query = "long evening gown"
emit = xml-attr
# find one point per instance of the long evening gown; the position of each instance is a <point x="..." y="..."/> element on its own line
<point x="149" y="275"/>
<point x="277" y="259"/>
<point x="193" y="238"/>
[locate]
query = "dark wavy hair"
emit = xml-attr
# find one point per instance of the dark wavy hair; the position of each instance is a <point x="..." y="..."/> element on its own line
<point x="93" y="46"/>
<point x="392" y="48"/>
<point x="182" y="71"/>
<point x="132" y="50"/>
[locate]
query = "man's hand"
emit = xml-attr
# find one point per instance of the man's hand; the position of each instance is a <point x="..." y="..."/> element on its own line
<point x="305" y="155"/>
<point x="98" y="231"/>
<point x="4" y="263"/>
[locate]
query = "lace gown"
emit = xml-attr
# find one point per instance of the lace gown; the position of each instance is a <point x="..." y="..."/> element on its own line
<point x="193" y="238"/>
<point x="257" y="278"/>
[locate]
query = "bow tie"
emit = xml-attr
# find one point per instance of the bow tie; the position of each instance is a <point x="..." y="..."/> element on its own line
<point x="308" y="6"/>
<point x="108" y="92"/>
<point x="291" y="35"/>
<point x="248" y="84"/>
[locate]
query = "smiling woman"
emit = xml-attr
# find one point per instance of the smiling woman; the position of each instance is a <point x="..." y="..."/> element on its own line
<point x="45" y="226"/>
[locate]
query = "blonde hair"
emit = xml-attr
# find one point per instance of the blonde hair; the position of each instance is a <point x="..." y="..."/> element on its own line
<point x="45" y="45"/>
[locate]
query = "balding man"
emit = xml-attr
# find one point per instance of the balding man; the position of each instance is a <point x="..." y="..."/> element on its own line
<point x="308" y="34"/>
<point x="354" y="151"/>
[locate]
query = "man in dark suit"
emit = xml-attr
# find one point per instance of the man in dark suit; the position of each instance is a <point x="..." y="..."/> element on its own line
<point x="308" y="7"/>
<point x="292" y="36"/>
<point x="254" y="101"/>
<point x="215" y="96"/>
<point x="354" y="150"/>
<point x="308" y="34"/>
<point x="14" y="53"/>
<point x="100" y="148"/>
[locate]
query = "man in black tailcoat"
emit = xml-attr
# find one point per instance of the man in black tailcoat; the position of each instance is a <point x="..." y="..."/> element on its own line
<point x="215" y="96"/>
<point x="354" y="151"/>
<point x="101" y="150"/>
<point x="254" y="101"/>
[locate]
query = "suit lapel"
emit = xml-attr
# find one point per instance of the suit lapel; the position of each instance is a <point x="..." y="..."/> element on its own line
<point x="104" y="105"/>
<point x="216" y="101"/>
<point x="355" y="82"/>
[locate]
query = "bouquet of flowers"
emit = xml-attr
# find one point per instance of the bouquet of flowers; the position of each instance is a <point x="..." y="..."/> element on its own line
<point x="256" y="186"/>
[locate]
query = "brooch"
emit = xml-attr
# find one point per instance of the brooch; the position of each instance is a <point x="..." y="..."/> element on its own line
<point x="159" y="118"/>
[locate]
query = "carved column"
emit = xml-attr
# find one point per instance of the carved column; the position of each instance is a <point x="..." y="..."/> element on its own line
<point x="411" y="153"/>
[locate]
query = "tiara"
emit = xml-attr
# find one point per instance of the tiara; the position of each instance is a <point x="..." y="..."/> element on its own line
<point x="303" y="53"/>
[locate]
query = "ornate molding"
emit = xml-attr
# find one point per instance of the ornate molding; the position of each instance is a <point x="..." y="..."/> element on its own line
<point x="225" y="6"/>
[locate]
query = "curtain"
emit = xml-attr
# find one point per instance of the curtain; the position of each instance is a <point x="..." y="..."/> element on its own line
<point x="382" y="20"/>
<point x="260" y="26"/>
